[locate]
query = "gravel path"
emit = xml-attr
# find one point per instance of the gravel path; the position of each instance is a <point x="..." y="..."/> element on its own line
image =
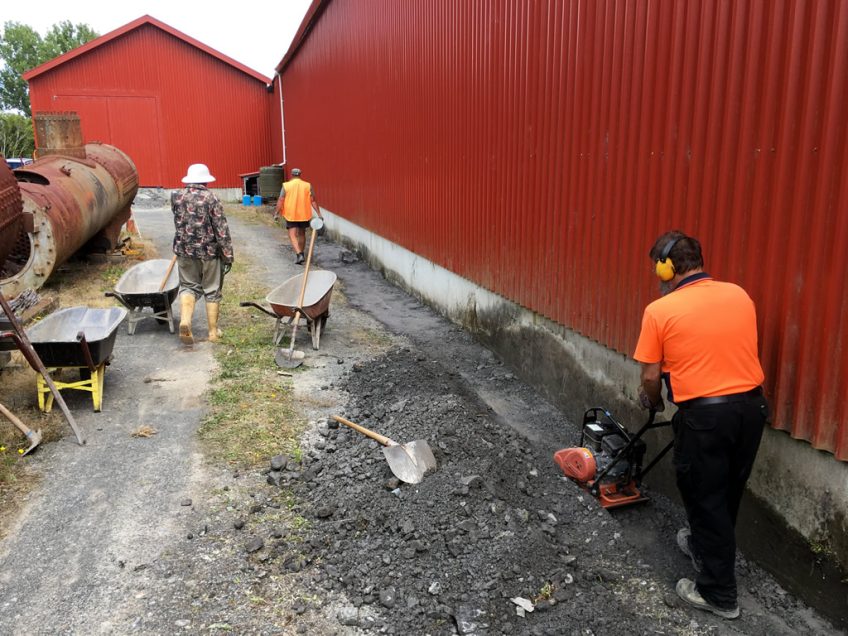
<point x="107" y="506"/>
<point x="328" y="542"/>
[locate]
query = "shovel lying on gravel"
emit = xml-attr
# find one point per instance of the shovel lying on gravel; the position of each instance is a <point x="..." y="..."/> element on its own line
<point x="408" y="462"/>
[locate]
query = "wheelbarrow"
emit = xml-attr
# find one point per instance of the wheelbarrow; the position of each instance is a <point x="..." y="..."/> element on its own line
<point x="79" y="338"/>
<point x="141" y="287"/>
<point x="316" y="304"/>
<point x="12" y="331"/>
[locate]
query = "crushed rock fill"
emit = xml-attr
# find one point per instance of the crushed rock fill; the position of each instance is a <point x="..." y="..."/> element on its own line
<point x="495" y="541"/>
<point x="495" y="522"/>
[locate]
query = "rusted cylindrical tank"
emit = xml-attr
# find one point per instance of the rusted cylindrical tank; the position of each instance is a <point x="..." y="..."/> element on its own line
<point x="69" y="201"/>
<point x="11" y="209"/>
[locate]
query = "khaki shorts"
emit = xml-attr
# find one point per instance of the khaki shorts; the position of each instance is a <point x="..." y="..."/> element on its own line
<point x="201" y="278"/>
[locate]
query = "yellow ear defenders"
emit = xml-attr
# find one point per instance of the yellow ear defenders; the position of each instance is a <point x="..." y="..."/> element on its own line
<point x="665" y="268"/>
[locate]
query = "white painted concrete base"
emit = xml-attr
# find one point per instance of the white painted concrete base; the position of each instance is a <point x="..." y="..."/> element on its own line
<point x="225" y="195"/>
<point x="228" y="195"/>
<point x="441" y="288"/>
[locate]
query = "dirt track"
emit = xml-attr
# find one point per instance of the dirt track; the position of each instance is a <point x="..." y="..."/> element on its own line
<point x="105" y="546"/>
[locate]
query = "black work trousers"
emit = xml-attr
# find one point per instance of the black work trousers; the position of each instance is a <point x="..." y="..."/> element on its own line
<point x="714" y="451"/>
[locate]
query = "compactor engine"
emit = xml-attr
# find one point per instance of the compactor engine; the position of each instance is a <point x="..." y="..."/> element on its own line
<point x="608" y="460"/>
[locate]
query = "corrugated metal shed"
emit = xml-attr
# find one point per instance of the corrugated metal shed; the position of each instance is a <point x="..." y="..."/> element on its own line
<point x="164" y="98"/>
<point x="538" y="148"/>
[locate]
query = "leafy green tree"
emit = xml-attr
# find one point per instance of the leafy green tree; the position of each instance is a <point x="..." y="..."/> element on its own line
<point x="22" y="49"/>
<point x="63" y="37"/>
<point x="19" y="46"/>
<point x="16" y="135"/>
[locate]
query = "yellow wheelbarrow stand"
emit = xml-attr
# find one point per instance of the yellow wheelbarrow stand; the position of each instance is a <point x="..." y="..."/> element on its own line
<point x="93" y="384"/>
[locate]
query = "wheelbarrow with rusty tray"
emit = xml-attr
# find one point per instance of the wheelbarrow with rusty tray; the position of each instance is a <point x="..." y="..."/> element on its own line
<point x="79" y="338"/>
<point x="316" y="303"/>
<point x="151" y="284"/>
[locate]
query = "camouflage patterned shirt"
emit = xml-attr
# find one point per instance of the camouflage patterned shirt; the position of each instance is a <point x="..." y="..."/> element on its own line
<point x="201" y="227"/>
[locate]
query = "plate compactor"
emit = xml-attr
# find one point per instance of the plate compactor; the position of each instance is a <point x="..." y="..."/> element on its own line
<point x="608" y="461"/>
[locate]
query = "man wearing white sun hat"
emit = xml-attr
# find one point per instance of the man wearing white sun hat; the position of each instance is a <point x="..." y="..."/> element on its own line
<point x="203" y="247"/>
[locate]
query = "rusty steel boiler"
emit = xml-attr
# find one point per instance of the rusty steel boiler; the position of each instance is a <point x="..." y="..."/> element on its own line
<point x="11" y="211"/>
<point x="67" y="202"/>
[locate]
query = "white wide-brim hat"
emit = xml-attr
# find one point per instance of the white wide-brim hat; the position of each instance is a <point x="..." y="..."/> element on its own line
<point x="198" y="173"/>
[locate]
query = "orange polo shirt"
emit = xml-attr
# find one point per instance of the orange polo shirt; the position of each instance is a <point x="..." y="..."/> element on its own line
<point x="705" y="335"/>
<point x="297" y="204"/>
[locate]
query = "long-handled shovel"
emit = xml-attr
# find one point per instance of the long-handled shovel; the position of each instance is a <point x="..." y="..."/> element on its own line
<point x="168" y="273"/>
<point x="21" y="339"/>
<point x="34" y="437"/>
<point x="408" y="462"/>
<point x="289" y="358"/>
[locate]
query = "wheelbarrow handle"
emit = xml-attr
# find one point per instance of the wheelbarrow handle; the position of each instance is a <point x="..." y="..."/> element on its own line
<point x="385" y="441"/>
<point x="120" y="298"/>
<point x="86" y="352"/>
<point x="259" y="307"/>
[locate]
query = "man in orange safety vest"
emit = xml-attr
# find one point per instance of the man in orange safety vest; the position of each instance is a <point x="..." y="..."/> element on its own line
<point x="295" y="205"/>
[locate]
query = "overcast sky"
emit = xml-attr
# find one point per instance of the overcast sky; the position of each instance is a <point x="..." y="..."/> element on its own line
<point x="256" y="33"/>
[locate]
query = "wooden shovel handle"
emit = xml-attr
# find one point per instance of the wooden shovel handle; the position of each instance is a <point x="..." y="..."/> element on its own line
<point x="296" y="318"/>
<point x="385" y="441"/>
<point x="306" y="269"/>
<point x="168" y="272"/>
<point x="14" y="420"/>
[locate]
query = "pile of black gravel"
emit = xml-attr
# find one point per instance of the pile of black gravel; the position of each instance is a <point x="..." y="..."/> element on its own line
<point x="495" y="521"/>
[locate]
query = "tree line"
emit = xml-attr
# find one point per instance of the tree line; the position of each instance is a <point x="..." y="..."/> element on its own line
<point x="22" y="49"/>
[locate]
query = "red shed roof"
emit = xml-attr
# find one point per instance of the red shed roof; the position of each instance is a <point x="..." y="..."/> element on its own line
<point x="145" y="19"/>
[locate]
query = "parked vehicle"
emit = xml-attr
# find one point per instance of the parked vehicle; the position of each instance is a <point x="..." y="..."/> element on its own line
<point x="17" y="162"/>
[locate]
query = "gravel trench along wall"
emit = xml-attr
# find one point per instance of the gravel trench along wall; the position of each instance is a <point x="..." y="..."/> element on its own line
<point x="568" y="368"/>
<point x="492" y="523"/>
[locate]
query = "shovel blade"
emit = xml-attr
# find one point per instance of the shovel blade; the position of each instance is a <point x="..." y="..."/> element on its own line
<point x="289" y="359"/>
<point x="402" y="465"/>
<point x="34" y="440"/>
<point x="410" y="462"/>
<point x="421" y="454"/>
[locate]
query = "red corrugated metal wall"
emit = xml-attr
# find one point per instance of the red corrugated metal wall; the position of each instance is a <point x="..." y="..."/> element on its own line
<point x="538" y="148"/>
<point x="165" y="103"/>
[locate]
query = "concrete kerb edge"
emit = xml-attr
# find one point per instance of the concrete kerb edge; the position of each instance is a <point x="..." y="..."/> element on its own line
<point x="568" y="368"/>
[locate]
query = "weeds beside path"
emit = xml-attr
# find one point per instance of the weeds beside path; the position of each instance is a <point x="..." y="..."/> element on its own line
<point x="250" y="416"/>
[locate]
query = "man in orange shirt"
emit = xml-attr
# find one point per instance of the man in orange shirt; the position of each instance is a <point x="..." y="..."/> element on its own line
<point x="295" y="205"/>
<point x="701" y="338"/>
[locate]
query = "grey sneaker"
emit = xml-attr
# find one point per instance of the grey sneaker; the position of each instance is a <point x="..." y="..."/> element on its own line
<point x="684" y="537"/>
<point x="686" y="590"/>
